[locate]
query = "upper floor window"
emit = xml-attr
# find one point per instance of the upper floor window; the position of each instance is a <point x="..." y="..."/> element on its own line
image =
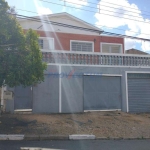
<point x="111" y="48"/>
<point x="46" y="43"/>
<point x="41" y="43"/>
<point x="85" y="46"/>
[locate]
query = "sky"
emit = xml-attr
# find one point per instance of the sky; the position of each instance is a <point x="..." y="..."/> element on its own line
<point x="128" y="17"/>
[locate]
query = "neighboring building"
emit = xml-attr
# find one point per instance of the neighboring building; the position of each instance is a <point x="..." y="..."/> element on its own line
<point x="135" y="51"/>
<point x="86" y="71"/>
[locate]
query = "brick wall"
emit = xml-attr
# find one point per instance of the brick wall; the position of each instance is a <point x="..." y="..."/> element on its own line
<point x="62" y="40"/>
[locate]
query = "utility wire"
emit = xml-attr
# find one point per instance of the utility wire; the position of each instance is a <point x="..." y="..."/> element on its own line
<point x="104" y="9"/>
<point x="101" y="9"/>
<point x="124" y="6"/>
<point x="96" y="12"/>
<point x="89" y="23"/>
<point x="57" y="23"/>
<point x="110" y="3"/>
<point x="76" y="27"/>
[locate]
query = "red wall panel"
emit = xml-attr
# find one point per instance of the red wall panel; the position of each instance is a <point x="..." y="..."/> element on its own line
<point x="62" y="40"/>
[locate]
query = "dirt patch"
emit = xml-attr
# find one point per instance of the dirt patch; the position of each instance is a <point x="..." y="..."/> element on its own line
<point x="102" y="124"/>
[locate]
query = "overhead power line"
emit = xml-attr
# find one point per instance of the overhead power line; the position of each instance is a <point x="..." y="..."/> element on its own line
<point x="57" y="23"/>
<point x="124" y="6"/>
<point x="105" y="9"/>
<point x="112" y="4"/>
<point x="77" y="27"/>
<point x="102" y="9"/>
<point x="90" y="23"/>
<point x="95" y="12"/>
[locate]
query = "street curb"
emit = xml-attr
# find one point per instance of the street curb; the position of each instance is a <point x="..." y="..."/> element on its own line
<point x="32" y="137"/>
<point x="11" y="137"/>
<point x="109" y="138"/>
<point x="121" y="138"/>
<point x="45" y="137"/>
<point x="81" y="137"/>
<point x="62" y="137"/>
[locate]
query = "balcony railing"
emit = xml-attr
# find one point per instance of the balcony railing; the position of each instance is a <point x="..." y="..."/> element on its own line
<point x="87" y="58"/>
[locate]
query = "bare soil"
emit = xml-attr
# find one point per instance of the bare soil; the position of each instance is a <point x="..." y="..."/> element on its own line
<point x="101" y="124"/>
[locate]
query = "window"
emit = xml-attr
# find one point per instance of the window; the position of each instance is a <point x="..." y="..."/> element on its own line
<point x="111" y="48"/>
<point x="46" y="43"/>
<point x="84" y="46"/>
<point x="41" y="43"/>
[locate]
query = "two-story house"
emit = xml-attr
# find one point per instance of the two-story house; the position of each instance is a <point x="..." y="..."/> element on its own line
<point x="86" y="70"/>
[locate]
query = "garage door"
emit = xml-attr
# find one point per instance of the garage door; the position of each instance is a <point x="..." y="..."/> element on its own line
<point x="102" y="93"/>
<point x="139" y="92"/>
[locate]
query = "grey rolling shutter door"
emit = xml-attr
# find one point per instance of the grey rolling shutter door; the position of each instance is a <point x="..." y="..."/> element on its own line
<point x="102" y="93"/>
<point x="82" y="46"/>
<point x="139" y="94"/>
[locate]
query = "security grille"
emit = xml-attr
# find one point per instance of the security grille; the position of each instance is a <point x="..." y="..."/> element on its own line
<point x="47" y="44"/>
<point x="82" y="46"/>
<point x="41" y="43"/>
<point x="108" y="48"/>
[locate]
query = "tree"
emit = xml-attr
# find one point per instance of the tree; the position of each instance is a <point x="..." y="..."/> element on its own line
<point x="20" y="56"/>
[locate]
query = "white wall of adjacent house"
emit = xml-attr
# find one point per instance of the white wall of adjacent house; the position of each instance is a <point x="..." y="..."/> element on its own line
<point x="2" y="98"/>
<point x="26" y="24"/>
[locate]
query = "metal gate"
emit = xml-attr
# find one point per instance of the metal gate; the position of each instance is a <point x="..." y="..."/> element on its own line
<point x="139" y="93"/>
<point x="102" y="92"/>
<point x="23" y="98"/>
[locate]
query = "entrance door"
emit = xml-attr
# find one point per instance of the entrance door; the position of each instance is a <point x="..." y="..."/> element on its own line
<point x="23" y="98"/>
<point x="102" y="93"/>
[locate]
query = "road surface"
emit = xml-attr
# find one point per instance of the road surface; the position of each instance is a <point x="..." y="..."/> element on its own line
<point x="78" y="145"/>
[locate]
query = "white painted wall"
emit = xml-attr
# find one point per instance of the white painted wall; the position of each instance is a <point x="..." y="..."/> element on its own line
<point x="26" y="24"/>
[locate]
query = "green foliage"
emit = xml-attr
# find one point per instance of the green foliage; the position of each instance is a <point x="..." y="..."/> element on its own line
<point x="20" y="56"/>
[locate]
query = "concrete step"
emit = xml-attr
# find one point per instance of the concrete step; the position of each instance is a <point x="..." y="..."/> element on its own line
<point x="23" y="111"/>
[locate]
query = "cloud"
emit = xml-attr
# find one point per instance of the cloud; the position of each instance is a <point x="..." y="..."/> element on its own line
<point x="77" y="3"/>
<point x="145" y="46"/>
<point x="129" y="43"/>
<point x="123" y="9"/>
<point x="43" y="10"/>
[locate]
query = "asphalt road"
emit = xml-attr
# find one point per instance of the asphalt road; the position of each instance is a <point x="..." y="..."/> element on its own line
<point x="79" y="145"/>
